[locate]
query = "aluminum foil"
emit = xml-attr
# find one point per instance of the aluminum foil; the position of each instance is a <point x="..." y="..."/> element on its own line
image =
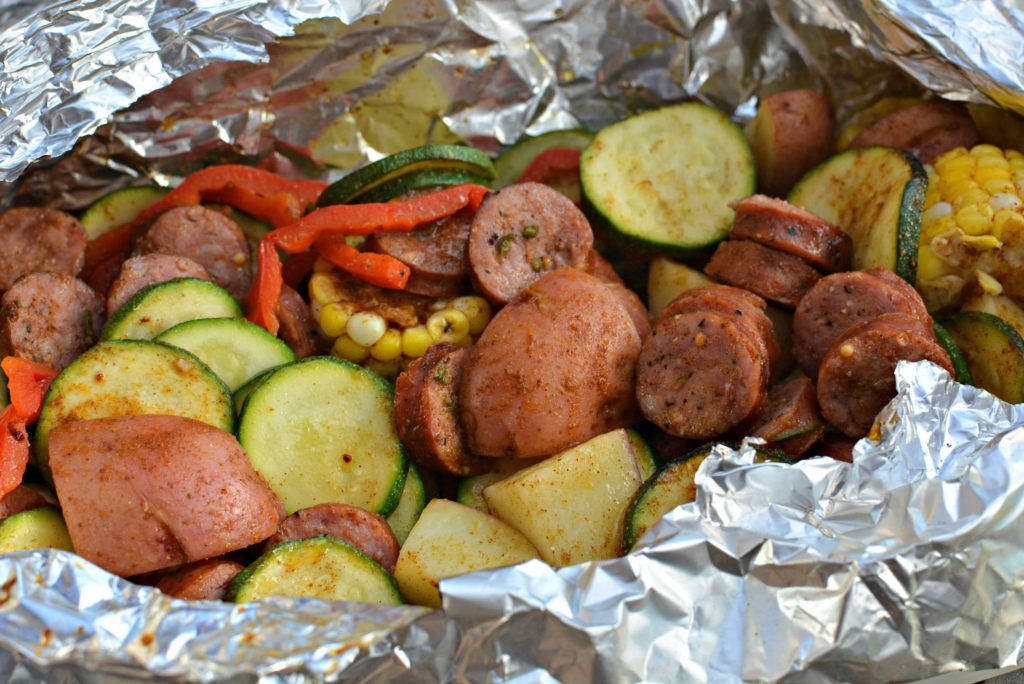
<point x="904" y="565"/>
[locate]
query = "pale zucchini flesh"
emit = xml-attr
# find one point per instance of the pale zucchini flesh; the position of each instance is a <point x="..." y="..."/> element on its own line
<point x="993" y="351"/>
<point x="643" y="453"/>
<point x="322" y="430"/>
<point x="118" y="208"/>
<point x="235" y="349"/>
<point x="410" y="505"/>
<point x="876" y="195"/>
<point x="322" y="568"/>
<point x="131" y="377"/>
<point x="662" y="181"/>
<point x="161" y="306"/>
<point x="39" y="528"/>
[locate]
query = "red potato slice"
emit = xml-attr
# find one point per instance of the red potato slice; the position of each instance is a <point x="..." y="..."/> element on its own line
<point x="141" y="493"/>
<point x="791" y="133"/>
<point x="553" y="369"/>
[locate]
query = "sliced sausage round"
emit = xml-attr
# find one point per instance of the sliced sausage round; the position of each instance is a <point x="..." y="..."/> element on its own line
<point x="149" y="269"/>
<point x="49" y="318"/>
<point x="368" y="532"/>
<point x="835" y="304"/>
<point x="37" y="239"/>
<point x="746" y="307"/>
<point x="599" y="267"/>
<point x="918" y="128"/>
<point x="435" y="252"/>
<point x="427" y="412"/>
<point x="777" y="276"/>
<point x="552" y="369"/>
<point x="857" y="379"/>
<point x="839" y="447"/>
<point x="634" y="307"/>
<point x="700" y="374"/>
<point x="298" y="329"/>
<point x="909" y="292"/>
<point x="522" y="232"/>
<point x="780" y="225"/>
<point x="206" y="580"/>
<point x="790" y="420"/>
<point x="23" y="498"/>
<point x="207" y="237"/>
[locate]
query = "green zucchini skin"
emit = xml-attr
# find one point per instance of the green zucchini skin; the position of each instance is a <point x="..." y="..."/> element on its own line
<point x="513" y="162"/>
<point x="410" y="505"/>
<point x="322" y="568"/>
<point x="451" y="157"/>
<point x="118" y="207"/>
<point x="962" y="370"/>
<point x="661" y="182"/>
<point x="993" y="352"/>
<point x="876" y="195"/>
<point x="418" y="180"/>
<point x="160" y="306"/>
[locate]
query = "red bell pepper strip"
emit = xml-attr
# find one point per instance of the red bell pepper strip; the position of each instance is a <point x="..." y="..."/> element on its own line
<point x="110" y="245"/>
<point x="377" y="269"/>
<point x="297" y="268"/>
<point x="347" y="219"/>
<point x="27" y="384"/>
<point x="264" y="195"/>
<point x="550" y="161"/>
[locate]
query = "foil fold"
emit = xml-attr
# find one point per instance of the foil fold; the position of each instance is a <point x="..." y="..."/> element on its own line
<point x="903" y="565"/>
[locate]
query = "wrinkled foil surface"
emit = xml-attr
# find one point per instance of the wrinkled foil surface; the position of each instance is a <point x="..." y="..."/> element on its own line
<point x="905" y="565"/>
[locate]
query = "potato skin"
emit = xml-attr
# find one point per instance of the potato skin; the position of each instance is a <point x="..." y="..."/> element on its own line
<point x="792" y="132"/>
<point x="552" y="369"/>
<point x="141" y="493"/>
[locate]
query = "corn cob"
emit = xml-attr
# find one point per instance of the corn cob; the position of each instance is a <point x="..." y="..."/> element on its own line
<point x="973" y="221"/>
<point x="362" y="335"/>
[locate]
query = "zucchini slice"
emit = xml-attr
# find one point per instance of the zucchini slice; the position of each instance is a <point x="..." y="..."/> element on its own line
<point x="450" y="157"/>
<point x="993" y="351"/>
<point x="470" y="490"/>
<point x="323" y="430"/>
<point x="410" y="505"/>
<point x="322" y="568"/>
<point x="427" y="178"/>
<point x="243" y="392"/>
<point x="233" y="348"/>
<point x="667" y="280"/>
<point x="962" y="370"/>
<point x="875" y="194"/>
<point x="39" y="528"/>
<point x="131" y="377"/>
<point x="118" y="207"/>
<point x="645" y="459"/>
<point x="514" y="161"/>
<point x="160" y="306"/>
<point x="662" y="181"/>
<point x="672" y="486"/>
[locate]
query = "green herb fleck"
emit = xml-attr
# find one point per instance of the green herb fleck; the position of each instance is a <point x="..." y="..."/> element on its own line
<point x="505" y="243"/>
<point x="531" y="231"/>
<point x="451" y="407"/>
<point x="537" y="264"/>
<point x="441" y="375"/>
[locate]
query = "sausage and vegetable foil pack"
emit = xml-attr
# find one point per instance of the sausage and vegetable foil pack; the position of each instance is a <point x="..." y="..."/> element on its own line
<point x="905" y="565"/>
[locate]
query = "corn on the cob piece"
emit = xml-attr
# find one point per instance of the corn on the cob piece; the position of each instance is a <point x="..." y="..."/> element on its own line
<point x="362" y="335"/>
<point x="973" y="220"/>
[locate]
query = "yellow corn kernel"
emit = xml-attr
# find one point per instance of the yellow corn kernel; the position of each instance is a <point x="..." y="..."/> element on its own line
<point x="322" y="265"/>
<point x="448" y="325"/>
<point x="986" y="151"/>
<point x="970" y="197"/>
<point x="438" y="304"/>
<point x="1007" y="225"/>
<point x="366" y="327"/>
<point x="929" y="266"/>
<point x="388" y="347"/>
<point x="981" y="243"/>
<point x="975" y="219"/>
<point x="322" y="289"/>
<point x="989" y="284"/>
<point x="951" y="187"/>
<point x="388" y="370"/>
<point x="934" y="227"/>
<point x="955" y="160"/>
<point x="477" y="310"/>
<point x="334" y="317"/>
<point x="415" y="341"/>
<point x="346" y="348"/>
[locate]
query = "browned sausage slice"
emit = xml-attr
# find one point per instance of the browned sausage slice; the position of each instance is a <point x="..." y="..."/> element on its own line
<point x="909" y="292"/>
<point x="551" y="370"/>
<point x="368" y="532"/>
<point x="930" y="129"/>
<point x="141" y="493"/>
<point x="49" y="318"/>
<point x="599" y="267"/>
<point x="207" y="237"/>
<point x="699" y="374"/>
<point x="427" y="413"/>
<point x="839" y="447"/>
<point x="436" y="253"/>
<point x="39" y="240"/>
<point x="857" y="378"/>
<point x="835" y="304"/>
<point x="746" y="307"/>
<point x="777" y="276"/>
<point x="298" y="329"/>
<point x="780" y="225"/>
<point x="149" y="269"/>
<point x="206" y="580"/>
<point x="23" y="498"/>
<point x="522" y="232"/>
<point x="790" y="420"/>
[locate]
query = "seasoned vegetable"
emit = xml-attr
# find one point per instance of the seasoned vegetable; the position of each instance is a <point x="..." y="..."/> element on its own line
<point x="994" y="353"/>
<point x="118" y="208"/>
<point x="158" y="307"/>
<point x="39" y="528"/>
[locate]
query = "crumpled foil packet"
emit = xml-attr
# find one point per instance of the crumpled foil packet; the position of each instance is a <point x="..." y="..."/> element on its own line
<point x="905" y="565"/>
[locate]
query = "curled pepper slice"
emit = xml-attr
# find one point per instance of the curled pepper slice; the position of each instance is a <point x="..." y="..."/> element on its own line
<point x="550" y="162"/>
<point x="27" y="384"/>
<point x="350" y="219"/>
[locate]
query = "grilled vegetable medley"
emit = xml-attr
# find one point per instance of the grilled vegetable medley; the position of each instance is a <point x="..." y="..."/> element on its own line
<point x="251" y="385"/>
